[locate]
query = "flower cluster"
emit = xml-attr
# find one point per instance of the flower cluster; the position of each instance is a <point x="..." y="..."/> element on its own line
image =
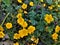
<point x="30" y="22"/>
<point x="55" y="35"/>
<point x="49" y="18"/>
<point x="1" y="32"/>
<point x="23" y="32"/>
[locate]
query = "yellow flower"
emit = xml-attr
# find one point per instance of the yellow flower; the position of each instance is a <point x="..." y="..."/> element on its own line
<point x="44" y="5"/>
<point x="20" y="21"/>
<point x="41" y="0"/>
<point x="25" y="12"/>
<point x="20" y="11"/>
<point x="24" y="24"/>
<point x="16" y="36"/>
<point x="57" y="29"/>
<point x="49" y="18"/>
<point x="8" y="25"/>
<point x="58" y="5"/>
<point x="19" y="15"/>
<point x="33" y="38"/>
<point x="16" y="43"/>
<point x="36" y="41"/>
<point x="24" y="6"/>
<point x="2" y="35"/>
<point x="31" y="4"/>
<point x="56" y="10"/>
<point x="29" y="20"/>
<point x="50" y="7"/>
<point x="31" y="29"/>
<point x="33" y="44"/>
<point x="23" y="33"/>
<point x="54" y="36"/>
<point x="20" y="1"/>
<point x="1" y="28"/>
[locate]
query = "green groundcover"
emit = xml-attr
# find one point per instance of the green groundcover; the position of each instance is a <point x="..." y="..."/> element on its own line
<point x="30" y="22"/>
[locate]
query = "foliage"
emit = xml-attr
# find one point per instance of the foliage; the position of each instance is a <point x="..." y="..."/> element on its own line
<point x="42" y="15"/>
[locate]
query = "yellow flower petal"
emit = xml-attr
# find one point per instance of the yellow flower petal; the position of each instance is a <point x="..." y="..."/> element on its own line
<point x="2" y="35"/>
<point x="54" y="36"/>
<point x="16" y="43"/>
<point x="31" y="29"/>
<point x="24" y="6"/>
<point x="49" y="18"/>
<point x="1" y="28"/>
<point x="31" y="4"/>
<point x="8" y="25"/>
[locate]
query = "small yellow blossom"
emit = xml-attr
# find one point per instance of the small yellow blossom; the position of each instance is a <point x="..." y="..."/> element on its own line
<point x="57" y="29"/>
<point x="24" y="6"/>
<point x="50" y="7"/>
<point x="31" y="4"/>
<point x="1" y="28"/>
<point x="16" y="43"/>
<point x="49" y="18"/>
<point x="41" y="0"/>
<point x="2" y="35"/>
<point x="23" y="32"/>
<point x="31" y="29"/>
<point x="33" y="44"/>
<point x="19" y="15"/>
<point x="36" y="41"/>
<point x="44" y="5"/>
<point x="8" y="25"/>
<point x="33" y="38"/>
<point x="25" y="12"/>
<point x="29" y="20"/>
<point x="20" y="11"/>
<point x="20" y="21"/>
<point x="16" y="36"/>
<point x="58" y="5"/>
<point x="56" y="10"/>
<point x="54" y="36"/>
<point x="20" y="1"/>
<point x="24" y="24"/>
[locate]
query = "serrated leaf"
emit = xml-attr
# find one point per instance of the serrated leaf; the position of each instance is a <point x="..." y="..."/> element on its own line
<point x="40" y="26"/>
<point x="33" y="22"/>
<point x="32" y="14"/>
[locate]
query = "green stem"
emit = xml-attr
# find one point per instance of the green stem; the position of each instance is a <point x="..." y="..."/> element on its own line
<point x="4" y="19"/>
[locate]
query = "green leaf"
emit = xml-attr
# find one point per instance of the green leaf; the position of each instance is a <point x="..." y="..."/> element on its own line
<point x="49" y="1"/>
<point x="32" y="14"/>
<point x="50" y="29"/>
<point x="33" y="22"/>
<point x="40" y="26"/>
<point x="7" y="2"/>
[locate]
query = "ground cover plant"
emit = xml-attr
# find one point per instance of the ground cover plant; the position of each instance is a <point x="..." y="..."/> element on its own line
<point x="30" y="22"/>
